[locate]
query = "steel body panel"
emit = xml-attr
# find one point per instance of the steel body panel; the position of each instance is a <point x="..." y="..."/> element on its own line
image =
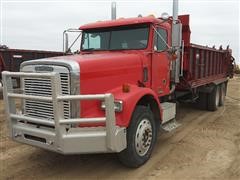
<point x="203" y="65"/>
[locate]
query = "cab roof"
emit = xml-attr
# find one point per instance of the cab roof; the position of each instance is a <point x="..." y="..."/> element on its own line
<point x="121" y="22"/>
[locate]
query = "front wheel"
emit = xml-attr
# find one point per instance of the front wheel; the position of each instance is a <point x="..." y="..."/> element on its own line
<point x="141" y="138"/>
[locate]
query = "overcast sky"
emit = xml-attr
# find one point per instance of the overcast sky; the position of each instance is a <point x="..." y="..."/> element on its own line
<point x="39" y="24"/>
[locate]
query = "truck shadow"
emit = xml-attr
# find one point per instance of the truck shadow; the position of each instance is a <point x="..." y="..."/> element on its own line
<point x="102" y="165"/>
<point x="84" y="165"/>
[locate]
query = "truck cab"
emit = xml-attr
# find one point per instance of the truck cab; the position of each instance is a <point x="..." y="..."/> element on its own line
<point x="147" y="38"/>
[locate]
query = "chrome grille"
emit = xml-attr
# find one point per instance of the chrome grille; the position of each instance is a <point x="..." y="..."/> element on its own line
<point x="42" y="87"/>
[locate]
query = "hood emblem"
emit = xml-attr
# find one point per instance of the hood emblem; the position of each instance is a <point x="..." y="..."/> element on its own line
<point x="44" y="68"/>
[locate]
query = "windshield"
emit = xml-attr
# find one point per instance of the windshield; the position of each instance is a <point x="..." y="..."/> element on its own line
<point x="118" y="38"/>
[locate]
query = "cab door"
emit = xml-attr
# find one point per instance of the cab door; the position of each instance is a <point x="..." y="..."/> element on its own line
<point x="160" y="62"/>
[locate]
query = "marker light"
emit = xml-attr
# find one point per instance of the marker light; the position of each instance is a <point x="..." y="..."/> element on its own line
<point x="125" y="88"/>
<point x="151" y="15"/>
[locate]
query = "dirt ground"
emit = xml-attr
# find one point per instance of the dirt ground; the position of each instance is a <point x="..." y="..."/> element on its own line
<point x="205" y="146"/>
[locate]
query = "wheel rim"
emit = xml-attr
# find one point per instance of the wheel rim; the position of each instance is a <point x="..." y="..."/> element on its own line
<point x="217" y="97"/>
<point x="143" y="138"/>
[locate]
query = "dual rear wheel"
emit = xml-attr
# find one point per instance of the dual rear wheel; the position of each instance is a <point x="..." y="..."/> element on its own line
<point x="217" y="97"/>
<point x="222" y="94"/>
<point x="211" y="101"/>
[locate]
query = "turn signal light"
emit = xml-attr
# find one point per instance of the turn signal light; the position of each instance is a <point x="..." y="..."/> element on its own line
<point x="118" y="105"/>
<point x="125" y="88"/>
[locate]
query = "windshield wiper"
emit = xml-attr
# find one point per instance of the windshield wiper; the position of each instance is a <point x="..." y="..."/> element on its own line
<point x="89" y="49"/>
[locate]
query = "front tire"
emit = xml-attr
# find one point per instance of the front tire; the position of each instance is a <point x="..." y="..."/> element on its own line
<point x="141" y="138"/>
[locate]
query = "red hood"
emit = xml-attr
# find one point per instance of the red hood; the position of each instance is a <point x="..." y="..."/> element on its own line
<point x="101" y="72"/>
<point x="89" y="57"/>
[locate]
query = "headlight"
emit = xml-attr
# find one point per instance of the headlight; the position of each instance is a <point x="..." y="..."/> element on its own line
<point x="118" y="106"/>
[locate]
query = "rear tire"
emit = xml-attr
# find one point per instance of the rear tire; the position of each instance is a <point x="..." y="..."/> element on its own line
<point x="222" y="94"/>
<point x="213" y="99"/>
<point x="202" y="101"/>
<point x="141" y="138"/>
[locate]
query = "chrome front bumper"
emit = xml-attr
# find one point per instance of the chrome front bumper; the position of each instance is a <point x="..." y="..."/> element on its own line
<point x="64" y="137"/>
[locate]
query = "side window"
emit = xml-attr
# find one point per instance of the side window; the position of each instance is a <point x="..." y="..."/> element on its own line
<point x="160" y="42"/>
<point x="92" y="40"/>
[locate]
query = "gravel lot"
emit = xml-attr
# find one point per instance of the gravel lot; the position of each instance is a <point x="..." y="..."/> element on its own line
<point x="205" y="146"/>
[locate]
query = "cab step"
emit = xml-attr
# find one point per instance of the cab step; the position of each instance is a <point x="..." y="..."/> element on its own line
<point x="170" y="125"/>
<point x="169" y="122"/>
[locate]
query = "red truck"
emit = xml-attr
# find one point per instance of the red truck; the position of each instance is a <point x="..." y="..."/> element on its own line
<point x="117" y="92"/>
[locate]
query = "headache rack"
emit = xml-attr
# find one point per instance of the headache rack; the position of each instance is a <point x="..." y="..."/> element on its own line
<point x="65" y="136"/>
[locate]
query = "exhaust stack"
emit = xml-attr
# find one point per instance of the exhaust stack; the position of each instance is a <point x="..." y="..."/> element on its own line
<point x="176" y="43"/>
<point x="175" y="10"/>
<point x="176" y="27"/>
<point x="113" y="11"/>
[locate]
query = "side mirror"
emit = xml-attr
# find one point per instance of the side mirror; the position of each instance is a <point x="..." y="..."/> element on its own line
<point x="66" y="47"/>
